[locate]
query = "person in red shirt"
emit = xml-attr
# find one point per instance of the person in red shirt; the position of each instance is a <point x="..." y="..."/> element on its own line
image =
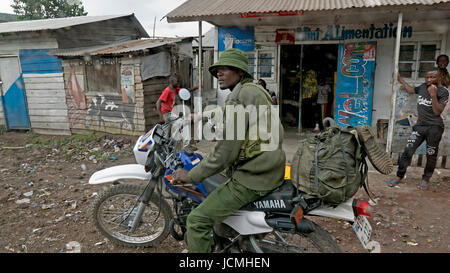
<point x="166" y="101"/>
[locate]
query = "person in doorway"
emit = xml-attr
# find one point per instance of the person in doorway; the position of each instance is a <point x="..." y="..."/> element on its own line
<point x="442" y="63"/>
<point x="166" y="102"/>
<point x="271" y="93"/>
<point x="429" y="127"/>
<point x="323" y="90"/>
<point x="309" y="101"/>
<point x="252" y="172"/>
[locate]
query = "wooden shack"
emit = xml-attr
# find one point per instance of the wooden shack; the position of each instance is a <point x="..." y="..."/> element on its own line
<point x="32" y="89"/>
<point x="113" y="89"/>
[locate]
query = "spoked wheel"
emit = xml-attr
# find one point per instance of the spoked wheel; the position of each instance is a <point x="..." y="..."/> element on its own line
<point x="115" y="210"/>
<point x="318" y="241"/>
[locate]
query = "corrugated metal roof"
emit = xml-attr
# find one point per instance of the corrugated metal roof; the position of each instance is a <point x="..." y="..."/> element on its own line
<point x="56" y="23"/>
<point x="203" y="8"/>
<point x="116" y="48"/>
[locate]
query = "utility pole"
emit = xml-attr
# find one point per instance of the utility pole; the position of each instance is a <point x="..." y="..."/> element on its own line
<point x="200" y="70"/>
<point x="154" y="25"/>
<point x="390" y="135"/>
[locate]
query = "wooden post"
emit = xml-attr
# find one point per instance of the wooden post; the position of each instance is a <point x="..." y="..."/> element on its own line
<point x="200" y="57"/>
<point x="390" y="135"/>
<point x="300" y="99"/>
<point x="200" y="72"/>
<point x="154" y="26"/>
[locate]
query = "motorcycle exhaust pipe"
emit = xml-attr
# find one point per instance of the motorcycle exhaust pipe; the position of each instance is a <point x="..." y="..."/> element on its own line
<point x="304" y="226"/>
<point x="296" y="222"/>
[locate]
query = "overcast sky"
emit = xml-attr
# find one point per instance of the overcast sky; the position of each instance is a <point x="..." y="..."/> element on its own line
<point x="144" y="10"/>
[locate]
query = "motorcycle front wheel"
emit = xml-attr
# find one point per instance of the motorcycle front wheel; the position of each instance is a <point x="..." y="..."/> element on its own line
<point x="115" y="209"/>
<point x="318" y="241"/>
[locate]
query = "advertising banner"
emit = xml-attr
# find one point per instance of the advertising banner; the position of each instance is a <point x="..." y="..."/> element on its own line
<point x="242" y="38"/>
<point x="355" y="79"/>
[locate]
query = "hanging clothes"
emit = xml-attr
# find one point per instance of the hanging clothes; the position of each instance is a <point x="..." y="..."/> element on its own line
<point x="309" y="85"/>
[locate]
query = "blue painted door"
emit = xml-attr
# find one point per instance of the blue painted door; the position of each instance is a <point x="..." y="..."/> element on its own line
<point x="354" y="84"/>
<point x="14" y="103"/>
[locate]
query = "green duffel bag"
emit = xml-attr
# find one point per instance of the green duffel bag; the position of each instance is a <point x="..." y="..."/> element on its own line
<point x="331" y="165"/>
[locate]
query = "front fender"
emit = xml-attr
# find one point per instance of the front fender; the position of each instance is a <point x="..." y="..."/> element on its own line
<point x="129" y="171"/>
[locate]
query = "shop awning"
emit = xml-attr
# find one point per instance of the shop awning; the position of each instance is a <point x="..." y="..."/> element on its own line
<point x="202" y="10"/>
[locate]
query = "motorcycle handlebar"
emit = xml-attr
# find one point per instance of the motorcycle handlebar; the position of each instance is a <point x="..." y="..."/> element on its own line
<point x="178" y="164"/>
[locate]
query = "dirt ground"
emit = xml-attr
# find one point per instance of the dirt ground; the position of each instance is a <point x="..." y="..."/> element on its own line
<point x="45" y="201"/>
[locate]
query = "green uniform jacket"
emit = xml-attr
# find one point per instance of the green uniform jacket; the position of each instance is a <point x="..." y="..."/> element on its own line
<point x="255" y="169"/>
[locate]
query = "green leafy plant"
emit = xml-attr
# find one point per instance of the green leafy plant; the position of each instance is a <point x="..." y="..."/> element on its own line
<point x="43" y="9"/>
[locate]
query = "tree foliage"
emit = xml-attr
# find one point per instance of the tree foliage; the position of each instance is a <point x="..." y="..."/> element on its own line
<point x="43" y="9"/>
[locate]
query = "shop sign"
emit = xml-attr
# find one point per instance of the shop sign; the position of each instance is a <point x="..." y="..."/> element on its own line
<point x="242" y="38"/>
<point x="354" y="84"/>
<point x="342" y="32"/>
<point x="271" y="14"/>
<point x="98" y="61"/>
<point x="285" y="36"/>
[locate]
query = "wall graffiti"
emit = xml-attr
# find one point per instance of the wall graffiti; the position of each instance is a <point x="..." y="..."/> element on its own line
<point x="76" y="102"/>
<point x="354" y="90"/>
<point x="76" y="92"/>
<point x="407" y="113"/>
<point x="105" y="112"/>
<point x="110" y="108"/>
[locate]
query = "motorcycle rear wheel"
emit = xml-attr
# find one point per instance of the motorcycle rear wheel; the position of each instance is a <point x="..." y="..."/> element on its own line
<point x="115" y="209"/>
<point x="318" y="241"/>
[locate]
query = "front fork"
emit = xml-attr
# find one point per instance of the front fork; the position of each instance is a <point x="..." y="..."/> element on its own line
<point x="137" y="217"/>
<point x="143" y="202"/>
<point x="147" y="194"/>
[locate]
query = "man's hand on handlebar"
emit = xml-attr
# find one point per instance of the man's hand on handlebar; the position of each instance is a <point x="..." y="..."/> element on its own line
<point x="181" y="176"/>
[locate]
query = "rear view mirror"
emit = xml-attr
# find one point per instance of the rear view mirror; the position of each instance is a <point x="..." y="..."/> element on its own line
<point x="184" y="94"/>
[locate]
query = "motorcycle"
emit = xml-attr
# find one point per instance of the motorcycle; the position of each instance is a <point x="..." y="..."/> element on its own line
<point x="138" y="215"/>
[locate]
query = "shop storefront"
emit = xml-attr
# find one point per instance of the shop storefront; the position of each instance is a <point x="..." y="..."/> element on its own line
<point x="354" y="52"/>
<point x="345" y="57"/>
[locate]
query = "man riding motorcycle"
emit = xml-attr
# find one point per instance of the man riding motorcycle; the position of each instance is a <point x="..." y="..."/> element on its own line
<point x="252" y="172"/>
